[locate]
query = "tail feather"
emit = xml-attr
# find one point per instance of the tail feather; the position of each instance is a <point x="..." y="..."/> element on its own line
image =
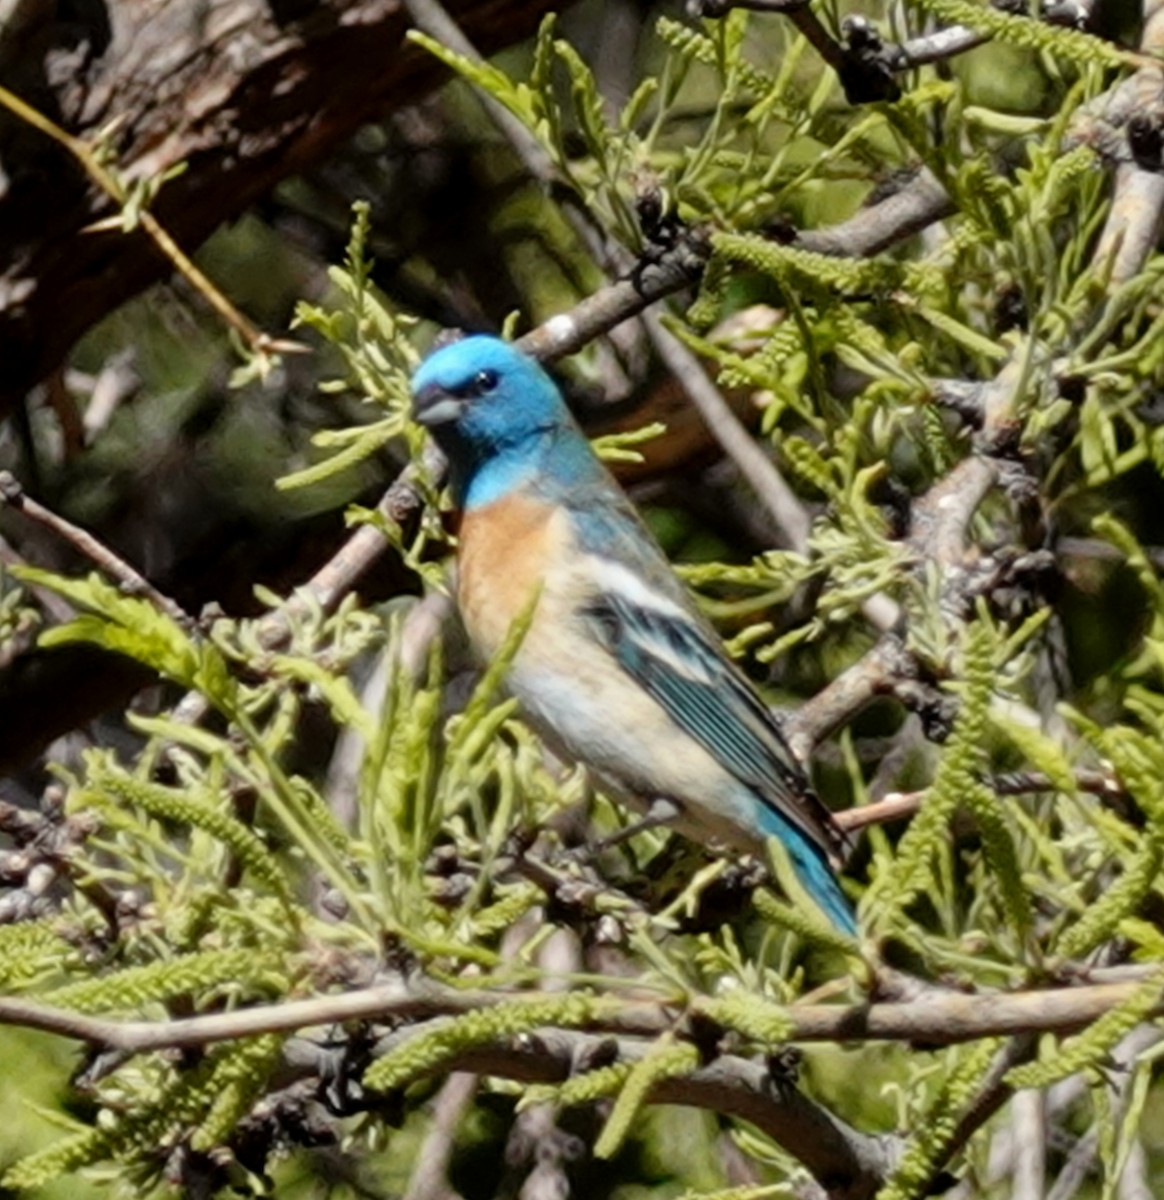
<point x="821" y="884"/>
<point x="812" y="870"/>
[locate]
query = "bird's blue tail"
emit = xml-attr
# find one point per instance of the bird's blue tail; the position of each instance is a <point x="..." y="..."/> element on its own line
<point x="812" y="870"/>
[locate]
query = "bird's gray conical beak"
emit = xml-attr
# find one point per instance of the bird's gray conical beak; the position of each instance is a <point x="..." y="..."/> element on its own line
<point x="432" y="405"/>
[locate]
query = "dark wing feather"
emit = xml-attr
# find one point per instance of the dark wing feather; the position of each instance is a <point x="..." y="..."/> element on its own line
<point x="683" y="668"/>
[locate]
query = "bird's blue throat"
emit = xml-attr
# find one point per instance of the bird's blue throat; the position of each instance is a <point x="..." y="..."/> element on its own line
<point x="482" y="472"/>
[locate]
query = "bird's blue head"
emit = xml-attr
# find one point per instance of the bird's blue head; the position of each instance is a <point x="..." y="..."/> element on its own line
<point x="497" y="415"/>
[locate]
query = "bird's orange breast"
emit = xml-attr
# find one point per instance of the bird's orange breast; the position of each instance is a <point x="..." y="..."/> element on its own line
<point x="504" y="552"/>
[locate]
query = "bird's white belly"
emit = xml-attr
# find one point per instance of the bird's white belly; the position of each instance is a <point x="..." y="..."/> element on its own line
<point x="589" y="708"/>
<point x="573" y="692"/>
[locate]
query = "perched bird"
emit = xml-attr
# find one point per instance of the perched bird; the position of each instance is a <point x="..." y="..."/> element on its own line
<point x="618" y="669"/>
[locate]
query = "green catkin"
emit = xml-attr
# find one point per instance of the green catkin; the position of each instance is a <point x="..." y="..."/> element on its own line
<point x="808" y="269"/>
<point x="61" y="1158"/>
<point x="498" y="917"/>
<point x="802" y="921"/>
<point x="757" y="1019"/>
<point x="713" y="287"/>
<point x="170" y="804"/>
<point x="423" y="1054"/>
<point x="938" y="1126"/>
<point x="136" y="1134"/>
<point x="1101" y="918"/>
<point x="593" y="1085"/>
<point x="664" y="1060"/>
<point x="27" y="950"/>
<point x="238" y="1079"/>
<point x="957" y="774"/>
<point x="1001" y="857"/>
<point x="184" y="975"/>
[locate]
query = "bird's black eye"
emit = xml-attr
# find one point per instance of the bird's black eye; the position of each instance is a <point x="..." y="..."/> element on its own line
<point x="486" y="381"/>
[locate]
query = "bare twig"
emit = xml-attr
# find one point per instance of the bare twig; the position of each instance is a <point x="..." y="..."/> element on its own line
<point x="781" y="502"/>
<point x="907" y="211"/>
<point x="938" y="46"/>
<point x="847" y="695"/>
<point x="256" y="339"/>
<point x="430" y="1176"/>
<point x="129" y="578"/>
<point x="1029" y="1117"/>
<point x="1137" y="211"/>
<point x="896" y="805"/>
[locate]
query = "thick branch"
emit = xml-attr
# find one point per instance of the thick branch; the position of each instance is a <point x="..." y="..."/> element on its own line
<point x="850" y="1165"/>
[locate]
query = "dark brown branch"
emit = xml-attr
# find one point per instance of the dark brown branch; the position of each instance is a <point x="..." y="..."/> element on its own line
<point x="850" y="1165"/>
<point x="242" y="113"/>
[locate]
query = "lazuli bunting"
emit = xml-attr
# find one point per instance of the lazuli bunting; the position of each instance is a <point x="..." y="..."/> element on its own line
<point x="618" y="669"/>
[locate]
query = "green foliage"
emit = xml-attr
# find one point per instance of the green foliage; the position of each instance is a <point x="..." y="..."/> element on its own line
<point x="936" y="1125"/>
<point x="423" y="1053"/>
<point x="135" y="628"/>
<point x="377" y="359"/>
<point x="664" y="1060"/>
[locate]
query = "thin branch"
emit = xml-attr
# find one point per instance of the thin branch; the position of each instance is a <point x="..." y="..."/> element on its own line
<point x="762" y="475"/>
<point x="896" y="805"/>
<point x="993" y="1093"/>
<point x="939" y="46"/>
<point x="936" y="1018"/>
<point x="914" y="207"/>
<point x="852" y="1165"/>
<point x="256" y="339"/>
<point x="430" y="1175"/>
<point x="942" y="517"/>
<point x="129" y="578"/>
<point x="850" y="692"/>
<point x="1029" y="1116"/>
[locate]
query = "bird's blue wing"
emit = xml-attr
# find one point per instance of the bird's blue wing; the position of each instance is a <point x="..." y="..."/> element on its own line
<point x="679" y="663"/>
